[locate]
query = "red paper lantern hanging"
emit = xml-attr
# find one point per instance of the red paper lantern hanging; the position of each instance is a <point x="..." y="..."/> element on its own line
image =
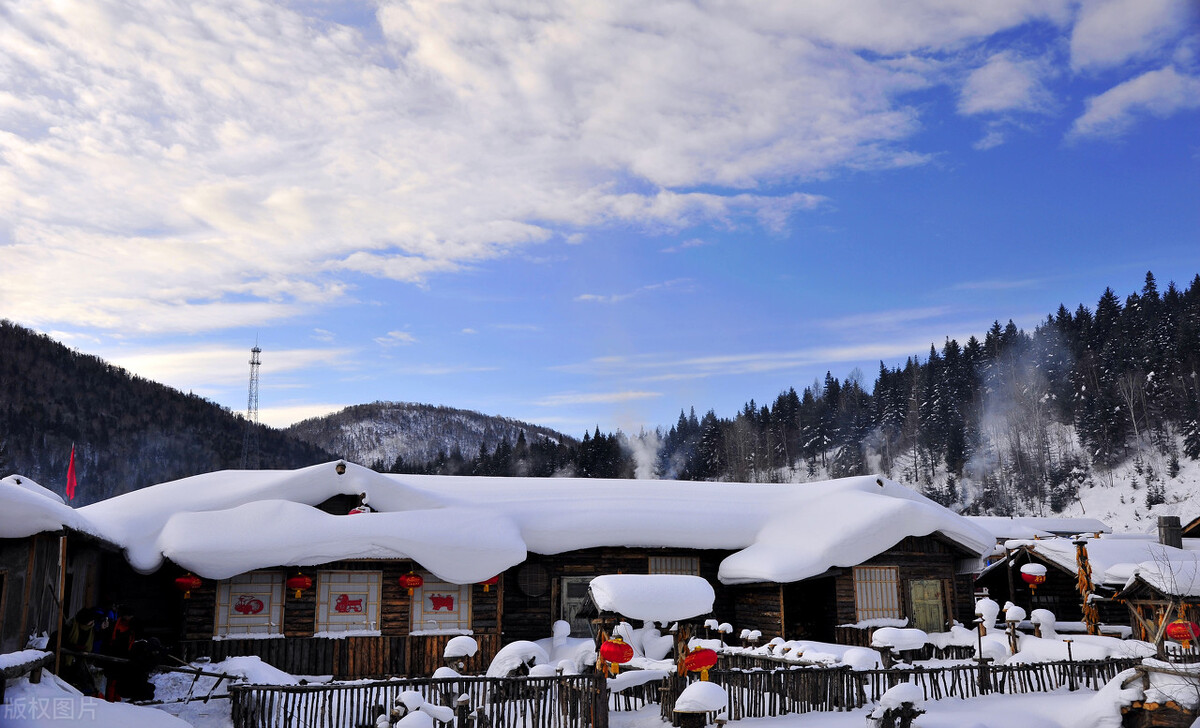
<point x="1033" y="575"/>
<point x="1183" y="631"/>
<point x="1033" y="580"/>
<point x="616" y="651"/>
<point x="699" y="660"/>
<point x="187" y="583"/>
<point x="411" y="581"/>
<point x="487" y="583"/>
<point x="299" y="583"/>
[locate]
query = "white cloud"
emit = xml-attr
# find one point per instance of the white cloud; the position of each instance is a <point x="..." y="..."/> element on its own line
<point x="1158" y="93"/>
<point x="559" y="400"/>
<point x="286" y="415"/>
<point x="1005" y="83"/>
<point x="619" y="297"/>
<point x="685" y="245"/>
<point x="1110" y="32"/>
<point x="396" y="338"/>
<point x="205" y="369"/>
<point x="221" y="162"/>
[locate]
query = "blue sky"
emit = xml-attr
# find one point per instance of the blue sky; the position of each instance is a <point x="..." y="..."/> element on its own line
<point x="580" y="213"/>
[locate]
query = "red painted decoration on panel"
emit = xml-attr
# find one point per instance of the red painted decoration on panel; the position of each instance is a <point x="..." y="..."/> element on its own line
<point x="247" y="604"/>
<point x="345" y="604"/>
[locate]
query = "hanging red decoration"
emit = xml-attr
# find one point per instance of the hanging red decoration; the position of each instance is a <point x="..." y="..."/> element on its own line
<point x="187" y="583"/>
<point x="699" y="660"/>
<point x="299" y="583"/>
<point x="1183" y="631"/>
<point x="411" y="581"/>
<point x="616" y="651"/>
<point x="487" y="583"/>
<point x="1033" y="575"/>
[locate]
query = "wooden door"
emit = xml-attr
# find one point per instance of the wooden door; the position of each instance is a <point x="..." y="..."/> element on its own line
<point x="928" y="605"/>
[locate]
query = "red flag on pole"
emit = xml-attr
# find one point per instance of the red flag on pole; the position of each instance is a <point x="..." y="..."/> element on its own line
<point x="71" y="475"/>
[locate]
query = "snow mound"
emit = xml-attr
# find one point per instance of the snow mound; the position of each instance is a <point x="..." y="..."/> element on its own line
<point x="702" y="697"/>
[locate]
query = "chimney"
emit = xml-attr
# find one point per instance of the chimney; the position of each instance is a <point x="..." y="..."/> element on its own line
<point x="1170" y="533"/>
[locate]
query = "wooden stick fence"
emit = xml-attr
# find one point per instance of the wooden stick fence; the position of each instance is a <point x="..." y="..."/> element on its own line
<point x="768" y="693"/>
<point x="583" y="701"/>
<point x="574" y="701"/>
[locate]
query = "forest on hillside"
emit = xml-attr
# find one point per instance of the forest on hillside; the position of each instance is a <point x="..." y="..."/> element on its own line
<point x="1026" y="416"/>
<point x="128" y="432"/>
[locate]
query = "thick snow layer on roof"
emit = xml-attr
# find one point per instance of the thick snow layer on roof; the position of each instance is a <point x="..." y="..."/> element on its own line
<point x="1173" y="578"/>
<point x="1113" y="558"/>
<point x="1009" y="527"/>
<point x="843" y="523"/>
<point x="27" y="508"/>
<point x="461" y="544"/>
<point x="662" y="598"/>
<point x="467" y="529"/>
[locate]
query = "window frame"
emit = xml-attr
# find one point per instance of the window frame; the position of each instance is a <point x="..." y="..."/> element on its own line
<point x="367" y="583"/>
<point x="877" y="593"/>
<point x="262" y="586"/>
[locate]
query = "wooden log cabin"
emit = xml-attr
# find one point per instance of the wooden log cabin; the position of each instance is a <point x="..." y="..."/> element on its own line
<point x="47" y="559"/>
<point x="503" y="558"/>
<point x="1112" y="559"/>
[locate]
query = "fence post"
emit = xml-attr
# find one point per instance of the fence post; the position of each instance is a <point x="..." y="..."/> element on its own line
<point x="985" y="675"/>
<point x="462" y="711"/>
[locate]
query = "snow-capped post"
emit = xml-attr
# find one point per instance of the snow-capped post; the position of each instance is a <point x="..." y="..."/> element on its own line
<point x="1070" y="668"/>
<point x="697" y="701"/>
<point x="899" y="706"/>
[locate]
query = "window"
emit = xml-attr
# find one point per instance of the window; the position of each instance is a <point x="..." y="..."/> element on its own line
<point x="250" y="604"/>
<point x="348" y="601"/>
<point x="686" y="565"/>
<point x="438" y="606"/>
<point x="876" y="592"/>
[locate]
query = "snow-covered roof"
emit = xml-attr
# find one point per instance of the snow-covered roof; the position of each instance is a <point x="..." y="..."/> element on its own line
<point x="466" y="529"/>
<point x="1173" y="578"/>
<point x="1004" y="528"/>
<point x="1113" y="557"/>
<point x="27" y="508"/>
<point x="662" y="598"/>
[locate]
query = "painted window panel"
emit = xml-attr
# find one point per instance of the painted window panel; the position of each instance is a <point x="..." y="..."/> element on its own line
<point x="250" y="604"/>
<point x="348" y="601"/>
<point x="439" y="606"/>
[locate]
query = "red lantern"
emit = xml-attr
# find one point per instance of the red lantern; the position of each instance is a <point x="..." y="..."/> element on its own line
<point x="700" y="659"/>
<point x="187" y="583"/>
<point x="299" y="583"/>
<point x="1033" y="580"/>
<point x="1033" y="575"/>
<point x="487" y="583"/>
<point x="1183" y="631"/>
<point x="616" y="652"/>
<point x="411" y="581"/>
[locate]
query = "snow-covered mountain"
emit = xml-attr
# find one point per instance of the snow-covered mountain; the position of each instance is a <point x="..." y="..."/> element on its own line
<point x="376" y="433"/>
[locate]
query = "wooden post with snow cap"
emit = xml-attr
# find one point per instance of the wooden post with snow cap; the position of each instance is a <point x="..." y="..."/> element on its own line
<point x="697" y="702"/>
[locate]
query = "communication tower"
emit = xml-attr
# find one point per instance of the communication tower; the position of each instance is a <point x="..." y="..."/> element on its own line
<point x="250" y="441"/>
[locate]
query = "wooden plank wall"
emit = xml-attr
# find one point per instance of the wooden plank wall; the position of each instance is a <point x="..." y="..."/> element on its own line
<point x="925" y="557"/>
<point x="529" y="617"/>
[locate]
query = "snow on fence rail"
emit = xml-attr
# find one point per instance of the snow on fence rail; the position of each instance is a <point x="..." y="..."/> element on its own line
<point x="767" y="693"/>
<point x="568" y="701"/>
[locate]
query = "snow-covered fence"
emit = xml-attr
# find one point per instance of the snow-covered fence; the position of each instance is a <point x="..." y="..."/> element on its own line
<point x="568" y="701"/>
<point x="768" y="693"/>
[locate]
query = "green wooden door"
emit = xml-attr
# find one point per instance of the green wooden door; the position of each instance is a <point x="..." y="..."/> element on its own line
<point x="928" y="606"/>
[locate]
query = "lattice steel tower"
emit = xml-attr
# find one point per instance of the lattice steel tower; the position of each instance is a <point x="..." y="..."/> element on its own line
<point x="250" y="441"/>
